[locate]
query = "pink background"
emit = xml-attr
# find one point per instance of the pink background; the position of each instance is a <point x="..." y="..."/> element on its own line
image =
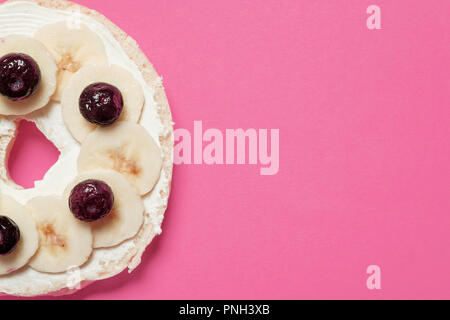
<point x="364" y="119"/>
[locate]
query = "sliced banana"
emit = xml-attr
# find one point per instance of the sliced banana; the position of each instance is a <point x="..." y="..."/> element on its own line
<point x="65" y="242"/>
<point x="126" y="217"/>
<point x="132" y="93"/>
<point x="47" y="85"/>
<point x="126" y="148"/>
<point x="29" y="240"/>
<point x="72" y="47"/>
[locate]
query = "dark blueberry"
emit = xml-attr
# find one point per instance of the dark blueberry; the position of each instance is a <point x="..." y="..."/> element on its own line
<point x="19" y="76"/>
<point x="91" y="200"/>
<point x="101" y="103"/>
<point x="9" y="235"/>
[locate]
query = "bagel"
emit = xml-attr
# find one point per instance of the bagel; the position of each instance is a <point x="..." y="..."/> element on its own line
<point x="155" y="119"/>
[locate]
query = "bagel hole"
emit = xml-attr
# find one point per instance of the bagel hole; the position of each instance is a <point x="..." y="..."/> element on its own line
<point x="31" y="155"/>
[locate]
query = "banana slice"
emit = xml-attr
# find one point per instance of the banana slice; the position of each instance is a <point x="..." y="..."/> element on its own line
<point x="29" y="240"/>
<point x="65" y="242"/>
<point x="126" y="217"/>
<point x="72" y="48"/>
<point x="132" y="93"/>
<point x="47" y="85"/>
<point x="124" y="147"/>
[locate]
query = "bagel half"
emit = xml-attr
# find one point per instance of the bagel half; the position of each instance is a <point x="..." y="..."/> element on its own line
<point x="104" y="263"/>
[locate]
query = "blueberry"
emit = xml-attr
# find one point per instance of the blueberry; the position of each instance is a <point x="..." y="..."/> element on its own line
<point x="19" y="76"/>
<point x="91" y="200"/>
<point x="101" y="103"/>
<point x="9" y="235"/>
